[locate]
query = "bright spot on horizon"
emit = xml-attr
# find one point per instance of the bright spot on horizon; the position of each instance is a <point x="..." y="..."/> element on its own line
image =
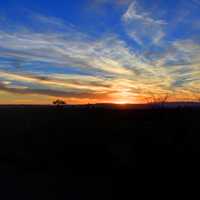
<point x="122" y="102"/>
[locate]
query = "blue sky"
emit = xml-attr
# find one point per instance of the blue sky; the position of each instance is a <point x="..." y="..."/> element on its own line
<point x="99" y="50"/>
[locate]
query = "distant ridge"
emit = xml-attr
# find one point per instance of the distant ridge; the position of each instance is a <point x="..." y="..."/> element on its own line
<point x="111" y="105"/>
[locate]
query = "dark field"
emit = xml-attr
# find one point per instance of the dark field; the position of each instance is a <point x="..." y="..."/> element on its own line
<point x="95" y="153"/>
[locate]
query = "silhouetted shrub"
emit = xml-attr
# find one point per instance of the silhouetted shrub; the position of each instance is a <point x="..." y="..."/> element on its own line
<point x="59" y="102"/>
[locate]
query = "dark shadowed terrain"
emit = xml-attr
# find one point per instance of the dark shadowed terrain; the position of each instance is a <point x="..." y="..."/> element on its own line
<point x="96" y="153"/>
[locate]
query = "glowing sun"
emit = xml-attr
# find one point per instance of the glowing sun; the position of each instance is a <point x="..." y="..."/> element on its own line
<point x="122" y="102"/>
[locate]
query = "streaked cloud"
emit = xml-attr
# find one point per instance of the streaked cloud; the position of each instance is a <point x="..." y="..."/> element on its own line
<point x="197" y="2"/>
<point x="98" y="69"/>
<point x="62" y="49"/>
<point x="141" y="26"/>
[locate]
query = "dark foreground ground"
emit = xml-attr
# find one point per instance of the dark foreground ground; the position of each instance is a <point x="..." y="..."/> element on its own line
<point x="57" y="153"/>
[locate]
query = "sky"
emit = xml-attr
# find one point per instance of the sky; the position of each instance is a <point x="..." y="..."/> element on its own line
<point x="97" y="51"/>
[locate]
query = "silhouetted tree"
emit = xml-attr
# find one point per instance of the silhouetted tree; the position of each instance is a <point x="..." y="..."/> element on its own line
<point x="158" y="101"/>
<point x="59" y="102"/>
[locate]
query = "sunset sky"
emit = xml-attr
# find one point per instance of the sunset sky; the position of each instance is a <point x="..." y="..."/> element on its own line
<point x="93" y="51"/>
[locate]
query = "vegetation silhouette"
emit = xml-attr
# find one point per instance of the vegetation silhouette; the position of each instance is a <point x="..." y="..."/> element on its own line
<point x="157" y="101"/>
<point x="59" y="102"/>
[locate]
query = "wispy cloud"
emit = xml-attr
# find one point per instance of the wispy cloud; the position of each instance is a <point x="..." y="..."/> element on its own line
<point x="141" y="26"/>
<point x="197" y="2"/>
<point x="116" y="70"/>
<point x="62" y="49"/>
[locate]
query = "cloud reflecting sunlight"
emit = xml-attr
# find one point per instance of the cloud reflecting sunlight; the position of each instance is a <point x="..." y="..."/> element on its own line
<point x="141" y="50"/>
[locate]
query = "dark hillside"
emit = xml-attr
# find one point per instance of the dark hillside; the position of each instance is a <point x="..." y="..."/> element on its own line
<point x="59" y="153"/>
